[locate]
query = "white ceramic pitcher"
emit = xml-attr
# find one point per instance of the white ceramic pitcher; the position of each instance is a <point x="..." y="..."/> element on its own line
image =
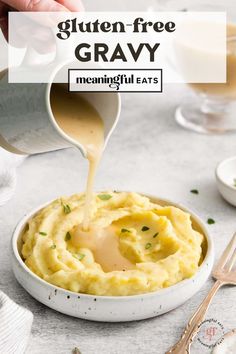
<point x="27" y="124"/>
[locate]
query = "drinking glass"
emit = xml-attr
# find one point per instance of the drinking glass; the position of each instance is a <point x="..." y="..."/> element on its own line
<point x="211" y="108"/>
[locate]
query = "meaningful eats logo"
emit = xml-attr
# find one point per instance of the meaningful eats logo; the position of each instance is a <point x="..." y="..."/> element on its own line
<point x="98" y="80"/>
<point x="210" y="333"/>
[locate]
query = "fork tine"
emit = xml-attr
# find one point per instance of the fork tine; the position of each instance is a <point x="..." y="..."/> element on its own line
<point x="222" y="263"/>
<point x="231" y="262"/>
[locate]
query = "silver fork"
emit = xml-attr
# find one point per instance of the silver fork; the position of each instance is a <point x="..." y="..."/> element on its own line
<point x="223" y="274"/>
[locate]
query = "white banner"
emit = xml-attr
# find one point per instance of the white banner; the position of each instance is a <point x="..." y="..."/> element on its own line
<point x="187" y="47"/>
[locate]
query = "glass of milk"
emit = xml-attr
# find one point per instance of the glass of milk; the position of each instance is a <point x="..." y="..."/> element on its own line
<point x="210" y="107"/>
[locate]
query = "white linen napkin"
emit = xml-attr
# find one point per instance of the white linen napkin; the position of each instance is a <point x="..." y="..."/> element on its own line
<point x="15" y="326"/>
<point x="8" y="164"/>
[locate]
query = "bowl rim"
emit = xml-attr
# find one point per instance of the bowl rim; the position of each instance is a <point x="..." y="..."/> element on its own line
<point x="208" y="259"/>
<point x="218" y="178"/>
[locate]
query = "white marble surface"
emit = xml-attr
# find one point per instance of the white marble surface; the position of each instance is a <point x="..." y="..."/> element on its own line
<point x="148" y="152"/>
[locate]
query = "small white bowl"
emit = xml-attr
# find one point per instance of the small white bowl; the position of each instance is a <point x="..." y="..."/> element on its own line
<point x="111" y="308"/>
<point x="225" y="175"/>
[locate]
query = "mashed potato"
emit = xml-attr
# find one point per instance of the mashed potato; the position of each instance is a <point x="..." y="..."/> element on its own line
<point x="133" y="246"/>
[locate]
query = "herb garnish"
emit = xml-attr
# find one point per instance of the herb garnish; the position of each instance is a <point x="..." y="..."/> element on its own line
<point x="104" y="196"/>
<point x="66" y="208"/>
<point x="155" y="235"/>
<point x="148" y="245"/>
<point x="194" y="191"/>
<point x="234" y="182"/>
<point x="210" y="221"/>
<point x="145" y="228"/>
<point x="125" y="230"/>
<point x="79" y="256"/>
<point x="68" y="236"/>
<point x="42" y="233"/>
<point x="53" y="246"/>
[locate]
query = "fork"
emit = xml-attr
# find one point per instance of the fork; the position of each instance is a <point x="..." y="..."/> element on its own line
<point x="223" y="274"/>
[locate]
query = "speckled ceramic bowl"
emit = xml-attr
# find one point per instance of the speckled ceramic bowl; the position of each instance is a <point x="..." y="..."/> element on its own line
<point x="111" y="308"/>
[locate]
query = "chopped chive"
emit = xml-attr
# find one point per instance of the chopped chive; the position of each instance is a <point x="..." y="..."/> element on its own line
<point x="68" y="236"/>
<point x="125" y="230"/>
<point x="79" y="256"/>
<point x="145" y="228"/>
<point x="210" y="221"/>
<point x="42" y="233"/>
<point x="194" y="191"/>
<point x="148" y="245"/>
<point x="155" y="235"/>
<point x="76" y="351"/>
<point x="53" y="246"/>
<point x="104" y="196"/>
<point x="66" y="208"/>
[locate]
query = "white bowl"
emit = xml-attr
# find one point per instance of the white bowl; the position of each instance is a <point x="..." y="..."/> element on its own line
<point x="111" y="308"/>
<point x="225" y="175"/>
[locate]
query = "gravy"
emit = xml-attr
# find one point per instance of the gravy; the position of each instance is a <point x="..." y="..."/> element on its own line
<point x="80" y="120"/>
<point x="104" y="244"/>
